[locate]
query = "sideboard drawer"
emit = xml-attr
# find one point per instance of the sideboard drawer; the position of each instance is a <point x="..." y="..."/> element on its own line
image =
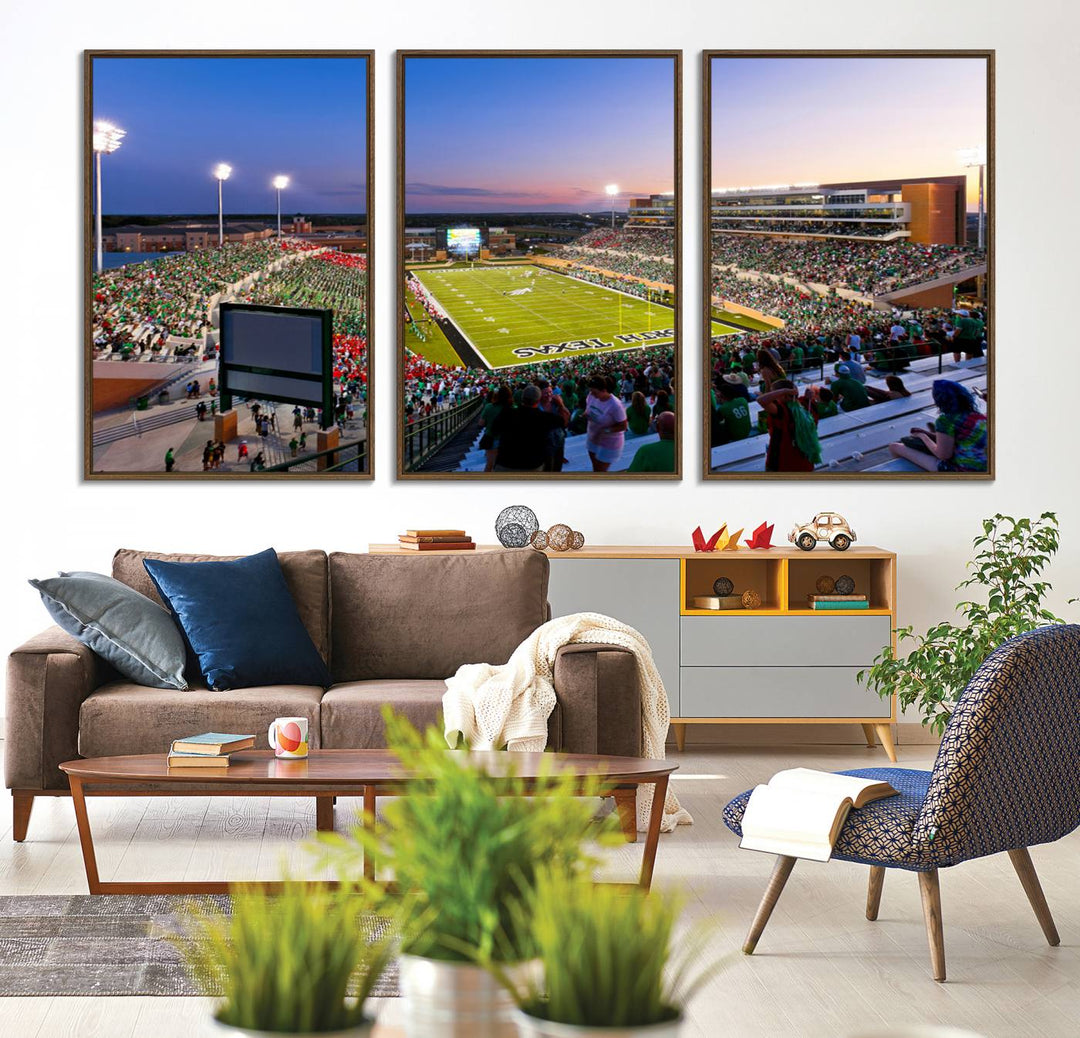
<point x="778" y="692"/>
<point x="782" y="641"/>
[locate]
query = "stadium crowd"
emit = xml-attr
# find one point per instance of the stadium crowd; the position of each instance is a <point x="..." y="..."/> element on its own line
<point x="646" y="241"/>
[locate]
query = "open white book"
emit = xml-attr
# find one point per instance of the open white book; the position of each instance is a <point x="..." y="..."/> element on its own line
<point x="801" y="811"/>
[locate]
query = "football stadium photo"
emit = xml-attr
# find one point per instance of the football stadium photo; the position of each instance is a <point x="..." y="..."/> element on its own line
<point x="849" y="266"/>
<point x="539" y="316"/>
<point x="227" y="274"/>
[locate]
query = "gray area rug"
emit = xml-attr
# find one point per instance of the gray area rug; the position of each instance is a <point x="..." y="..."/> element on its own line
<point x="111" y="944"/>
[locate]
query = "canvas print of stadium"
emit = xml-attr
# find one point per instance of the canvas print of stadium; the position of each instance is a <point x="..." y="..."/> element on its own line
<point x="849" y="226"/>
<point x="228" y="200"/>
<point x="539" y="220"/>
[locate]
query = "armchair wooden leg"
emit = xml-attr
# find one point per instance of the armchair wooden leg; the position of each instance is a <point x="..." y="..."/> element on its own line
<point x="21" y="804"/>
<point x="931" y="905"/>
<point x="1021" y="860"/>
<point x="873" y="892"/>
<point x="781" y="871"/>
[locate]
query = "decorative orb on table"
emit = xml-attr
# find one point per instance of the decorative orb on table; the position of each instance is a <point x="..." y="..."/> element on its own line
<point x="723" y="586"/>
<point x="825" y="585"/>
<point x="751" y="599"/>
<point x="539" y="540"/>
<point x="560" y="537"/>
<point x="845" y="585"/>
<point x="515" y="526"/>
<point x="577" y="542"/>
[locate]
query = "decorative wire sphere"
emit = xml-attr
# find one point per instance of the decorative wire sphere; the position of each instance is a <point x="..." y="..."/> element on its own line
<point x="539" y="540"/>
<point x="577" y="542"/>
<point x="751" y="599"/>
<point x="515" y="526"/>
<point x="845" y="585"/>
<point x="723" y="586"/>
<point x="825" y="585"/>
<point x="560" y="537"/>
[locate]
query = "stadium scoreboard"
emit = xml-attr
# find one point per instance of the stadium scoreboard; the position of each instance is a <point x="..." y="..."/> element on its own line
<point x="463" y="240"/>
<point x="277" y="353"/>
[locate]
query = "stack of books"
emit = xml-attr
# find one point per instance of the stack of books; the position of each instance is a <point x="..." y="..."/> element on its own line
<point x="209" y="750"/>
<point x="436" y="540"/>
<point x="838" y="601"/>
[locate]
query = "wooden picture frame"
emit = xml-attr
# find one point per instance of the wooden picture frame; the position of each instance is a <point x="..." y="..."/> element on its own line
<point x="406" y="470"/>
<point x="709" y="470"/>
<point x="357" y="453"/>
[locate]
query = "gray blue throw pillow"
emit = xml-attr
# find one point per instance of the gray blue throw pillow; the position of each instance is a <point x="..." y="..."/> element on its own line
<point x="134" y="634"/>
<point x="240" y="620"/>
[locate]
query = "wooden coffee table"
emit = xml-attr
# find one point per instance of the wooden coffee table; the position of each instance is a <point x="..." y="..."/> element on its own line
<point x="327" y="774"/>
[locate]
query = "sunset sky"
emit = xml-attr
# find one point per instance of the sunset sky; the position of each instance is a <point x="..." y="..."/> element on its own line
<point x="536" y="134"/>
<point x="302" y="117"/>
<point x="823" y="120"/>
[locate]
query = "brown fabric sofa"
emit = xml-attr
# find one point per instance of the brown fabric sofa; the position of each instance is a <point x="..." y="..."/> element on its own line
<point x="391" y="629"/>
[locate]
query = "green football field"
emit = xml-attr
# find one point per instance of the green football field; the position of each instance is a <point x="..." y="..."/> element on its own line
<point x="523" y="314"/>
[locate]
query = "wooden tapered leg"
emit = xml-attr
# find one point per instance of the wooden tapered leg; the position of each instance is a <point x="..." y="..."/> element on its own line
<point x="626" y="806"/>
<point x="871" y="739"/>
<point x="884" y="732"/>
<point x="1021" y="860"/>
<point x="652" y="836"/>
<point x="21" y="806"/>
<point x="680" y="736"/>
<point x="781" y="871"/>
<point x="930" y="892"/>
<point x="873" y="892"/>
<point x="324" y="814"/>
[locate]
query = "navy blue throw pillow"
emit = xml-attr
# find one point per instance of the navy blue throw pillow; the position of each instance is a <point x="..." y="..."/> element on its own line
<point x="241" y="621"/>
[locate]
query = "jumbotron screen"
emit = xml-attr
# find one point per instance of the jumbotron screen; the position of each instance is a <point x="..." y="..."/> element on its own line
<point x="465" y="240"/>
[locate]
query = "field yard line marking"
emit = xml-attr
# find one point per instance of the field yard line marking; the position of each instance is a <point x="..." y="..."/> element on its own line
<point x="458" y="327"/>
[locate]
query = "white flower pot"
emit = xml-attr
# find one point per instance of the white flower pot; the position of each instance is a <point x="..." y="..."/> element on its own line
<point x="361" y="1030"/>
<point x="534" y="1027"/>
<point x="452" y="1000"/>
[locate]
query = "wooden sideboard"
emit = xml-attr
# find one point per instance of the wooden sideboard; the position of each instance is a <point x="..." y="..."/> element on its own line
<point x="780" y="663"/>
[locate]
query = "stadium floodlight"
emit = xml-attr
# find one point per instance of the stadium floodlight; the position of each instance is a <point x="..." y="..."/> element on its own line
<point x="222" y="172"/>
<point x="280" y="183"/>
<point x="612" y="191"/>
<point x="107" y="139"/>
<point x="976" y="157"/>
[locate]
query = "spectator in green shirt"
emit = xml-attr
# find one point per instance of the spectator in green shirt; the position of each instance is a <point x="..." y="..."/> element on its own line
<point x="731" y="418"/>
<point x="850" y="392"/>
<point x="638" y="414"/>
<point x="659" y="456"/>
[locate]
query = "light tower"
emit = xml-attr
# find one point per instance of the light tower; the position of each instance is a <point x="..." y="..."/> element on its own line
<point x="222" y="172"/>
<point x="280" y="183"/>
<point x="612" y="191"/>
<point x="969" y="157"/>
<point x="107" y="139"/>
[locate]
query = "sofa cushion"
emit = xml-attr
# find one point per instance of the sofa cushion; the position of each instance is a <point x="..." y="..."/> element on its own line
<point x="352" y="712"/>
<point x="122" y="718"/>
<point x="304" y="571"/>
<point x="397" y="616"/>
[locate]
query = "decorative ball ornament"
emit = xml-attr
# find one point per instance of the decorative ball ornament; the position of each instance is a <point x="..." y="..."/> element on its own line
<point x="723" y="586"/>
<point x="751" y="599"/>
<point x="539" y="540"/>
<point x="845" y="585"/>
<point x="825" y="585"/>
<point x="560" y="537"/>
<point x="515" y="526"/>
<point x="577" y="542"/>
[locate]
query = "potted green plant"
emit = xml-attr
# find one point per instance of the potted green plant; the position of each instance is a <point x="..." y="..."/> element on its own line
<point x="298" y="962"/>
<point x="607" y="966"/>
<point x="465" y="849"/>
<point x="1010" y="557"/>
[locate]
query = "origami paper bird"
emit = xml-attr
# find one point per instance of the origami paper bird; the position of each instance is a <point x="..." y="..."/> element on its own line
<point x="700" y="544"/>
<point x="733" y="541"/>
<point x="762" y="537"/>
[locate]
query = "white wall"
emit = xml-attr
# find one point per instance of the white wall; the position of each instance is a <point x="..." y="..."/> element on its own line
<point x="53" y="520"/>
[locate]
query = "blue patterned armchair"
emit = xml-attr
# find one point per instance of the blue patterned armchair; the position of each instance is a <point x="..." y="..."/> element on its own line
<point x="1006" y="777"/>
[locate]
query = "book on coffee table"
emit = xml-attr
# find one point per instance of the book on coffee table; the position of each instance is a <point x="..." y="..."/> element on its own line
<point x="197" y="760"/>
<point x="801" y="811"/>
<point x="212" y="744"/>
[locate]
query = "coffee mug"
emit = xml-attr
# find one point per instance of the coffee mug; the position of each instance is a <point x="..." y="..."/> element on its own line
<point x="288" y="737"/>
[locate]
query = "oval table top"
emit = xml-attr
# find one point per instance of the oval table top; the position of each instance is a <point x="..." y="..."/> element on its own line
<point x="374" y="767"/>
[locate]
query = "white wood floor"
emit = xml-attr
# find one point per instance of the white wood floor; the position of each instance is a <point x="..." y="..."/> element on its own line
<point x="820" y="969"/>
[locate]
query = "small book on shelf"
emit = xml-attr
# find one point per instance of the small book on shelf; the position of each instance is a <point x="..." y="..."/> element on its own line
<point x="837" y="598"/>
<point x="801" y="811"/>
<point x="453" y="534"/>
<point x="717" y="602"/>
<point x="212" y="744"/>
<point x="434" y="538"/>
<point x="458" y="545"/>
<point x="854" y="603"/>
<point x="197" y="760"/>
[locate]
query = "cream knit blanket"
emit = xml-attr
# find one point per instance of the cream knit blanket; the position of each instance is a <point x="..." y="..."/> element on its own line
<point x="493" y="706"/>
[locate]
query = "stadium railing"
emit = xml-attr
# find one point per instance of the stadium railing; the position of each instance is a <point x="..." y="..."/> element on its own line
<point x="425" y="436"/>
<point x="350" y="456"/>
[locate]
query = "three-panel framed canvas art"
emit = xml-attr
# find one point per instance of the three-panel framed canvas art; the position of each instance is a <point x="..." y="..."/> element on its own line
<point x="846" y="289"/>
